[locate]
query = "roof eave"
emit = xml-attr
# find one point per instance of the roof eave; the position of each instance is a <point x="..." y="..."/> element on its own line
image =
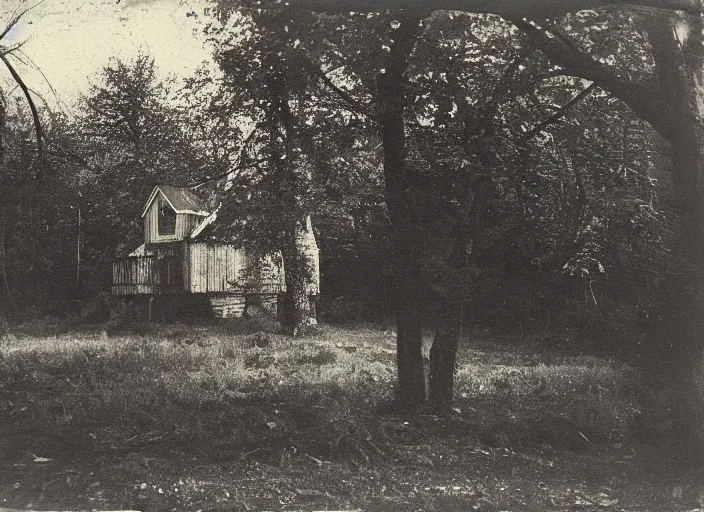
<point x="201" y="213"/>
<point x="157" y="189"/>
<point x="151" y="200"/>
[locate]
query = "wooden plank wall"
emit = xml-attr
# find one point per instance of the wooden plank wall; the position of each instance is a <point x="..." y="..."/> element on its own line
<point x="186" y="268"/>
<point x="213" y="267"/>
<point x="135" y="276"/>
<point x="234" y="305"/>
<point x="216" y="269"/>
<point x="198" y="268"/>
<point x="206" y="268"/>
<point x="186" y="223"/>
<point x="228" y="306"/>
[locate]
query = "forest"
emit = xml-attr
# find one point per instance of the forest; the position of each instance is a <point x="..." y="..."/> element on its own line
<point x="514" y="185"/>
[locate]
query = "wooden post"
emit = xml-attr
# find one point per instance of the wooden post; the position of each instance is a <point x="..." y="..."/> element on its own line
<point x="78" y="250"/>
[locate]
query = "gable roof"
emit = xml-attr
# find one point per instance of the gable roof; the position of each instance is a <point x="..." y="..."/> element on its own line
<point x="181" y="199"/>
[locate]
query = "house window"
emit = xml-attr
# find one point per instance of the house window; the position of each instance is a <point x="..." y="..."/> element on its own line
<point x="167" y="219"/>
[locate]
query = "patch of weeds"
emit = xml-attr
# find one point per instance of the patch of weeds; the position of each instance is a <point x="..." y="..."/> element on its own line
<point x="259" y="360"/>
<point x="570" y="405"/>
<point x="119" y="327"/>
<point x="319" y="358"/>
<point x="230" y="349"/>
<point x="180" y="383"/>
<point x="243" y="326"/>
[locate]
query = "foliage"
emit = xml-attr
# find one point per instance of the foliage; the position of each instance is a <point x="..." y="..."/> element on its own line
<point x="563" y="211"/>
<point x="40" y="247"/>
<point x="574" y="191"/>
<point x="572" y="202"/>
<point x="133" y="140"/>
<point x="301" y="153"/>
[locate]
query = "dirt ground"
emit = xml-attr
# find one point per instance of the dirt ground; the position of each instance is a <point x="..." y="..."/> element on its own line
<point x="451" y="475"/>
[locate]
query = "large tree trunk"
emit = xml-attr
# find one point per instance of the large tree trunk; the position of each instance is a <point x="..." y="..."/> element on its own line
<point x="409" y="344"/>
<point x="679" y="60"/>
<point x="299" y="314"/>
<point x="408" y="289"/>
<point x="443" y="353"/>
<point x="448" y="322"/>
<point x="683" y="317"/>
<point x="443" y="356"/>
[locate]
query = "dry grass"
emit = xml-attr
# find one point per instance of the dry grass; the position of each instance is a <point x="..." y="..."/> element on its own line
<point x="230" y="389"/>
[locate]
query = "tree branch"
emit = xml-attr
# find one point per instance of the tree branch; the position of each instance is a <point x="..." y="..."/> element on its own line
<point x="35" y="113"/>
<point x="354" y="104"/>
<point x="16" y="19"/>
<point x="251" y="164"/>
<point x="559" y="114"/>
<point x="641" y="99"/>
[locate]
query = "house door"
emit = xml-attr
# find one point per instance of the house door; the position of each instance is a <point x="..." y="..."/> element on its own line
<point x="170" y="261"/>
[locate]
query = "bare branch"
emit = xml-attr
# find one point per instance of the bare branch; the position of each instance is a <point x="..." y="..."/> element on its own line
<point x="35" y="113"/>
<point x="14" y="21"/>
<point x="354" y="104"/>
<point x="37" y="68"/>
<point x="556" y="116"/>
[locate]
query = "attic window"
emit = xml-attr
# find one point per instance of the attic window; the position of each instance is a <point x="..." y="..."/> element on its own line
<point x="167" y="219"/>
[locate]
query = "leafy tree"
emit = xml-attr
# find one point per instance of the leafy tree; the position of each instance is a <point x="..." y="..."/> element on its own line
<point x="271" y="211"/>
<point x="293" y="162"/>
<point x="580" y="44"/>
<point x="132" y="140"/>
<point x="665" y="93"/>
<point x="643" y="100"/>
<point x="6" y="302"/>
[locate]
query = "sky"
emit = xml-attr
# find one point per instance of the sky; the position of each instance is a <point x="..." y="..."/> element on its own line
<point x="70" y="41"/>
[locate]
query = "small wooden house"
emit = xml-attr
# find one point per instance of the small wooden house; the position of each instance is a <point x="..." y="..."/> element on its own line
<point x="176" y="259"/>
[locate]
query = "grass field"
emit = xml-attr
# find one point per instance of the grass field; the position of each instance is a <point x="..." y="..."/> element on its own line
<point x="229" y="417"/>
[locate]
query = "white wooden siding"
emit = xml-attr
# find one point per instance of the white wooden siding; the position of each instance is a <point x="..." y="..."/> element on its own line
<point x="213" y="268"/>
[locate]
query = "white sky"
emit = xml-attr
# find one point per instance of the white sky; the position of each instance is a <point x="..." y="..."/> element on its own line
<point x="71" y="40"/>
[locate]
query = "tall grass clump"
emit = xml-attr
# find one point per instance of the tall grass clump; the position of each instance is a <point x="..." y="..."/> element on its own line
<point x="176" y="383"/>
<point x="574" y="402"/>
<point x="233" y="387"/>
